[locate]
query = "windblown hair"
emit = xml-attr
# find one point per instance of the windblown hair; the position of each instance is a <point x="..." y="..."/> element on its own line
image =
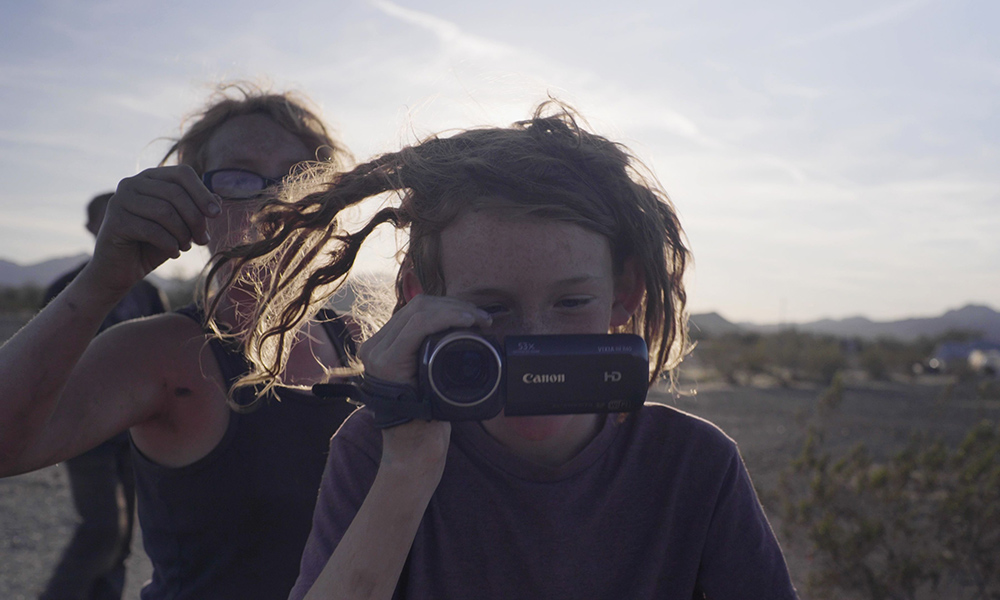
<point x="547" y="167"/>
<point x="292" y="111"/>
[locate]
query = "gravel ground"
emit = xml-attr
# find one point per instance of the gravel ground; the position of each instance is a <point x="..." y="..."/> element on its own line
<point x="37" y="519"/>
<point x="769" y="425"/>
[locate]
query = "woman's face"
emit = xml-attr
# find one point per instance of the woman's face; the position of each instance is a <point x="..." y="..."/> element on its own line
<point x="254" y="143"/>
<point x="536" y="276"/>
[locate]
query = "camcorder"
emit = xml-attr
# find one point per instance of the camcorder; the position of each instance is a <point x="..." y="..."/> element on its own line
<point x="464" y="375"/>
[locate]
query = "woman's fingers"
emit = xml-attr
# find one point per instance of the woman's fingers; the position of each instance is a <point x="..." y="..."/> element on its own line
<point x="166" y="197"/>
<point x="153" y="211"/>
<point x="158" y="237"/>
<point x="152" y="217"/>
<point x="184" y="176"/>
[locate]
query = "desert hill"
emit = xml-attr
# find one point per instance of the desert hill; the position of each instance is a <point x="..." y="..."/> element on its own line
<point x="973" y="317"/>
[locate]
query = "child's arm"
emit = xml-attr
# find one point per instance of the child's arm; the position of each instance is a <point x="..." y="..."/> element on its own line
<point x="368" y="560"/>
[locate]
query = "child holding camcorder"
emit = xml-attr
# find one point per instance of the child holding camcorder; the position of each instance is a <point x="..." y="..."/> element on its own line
<point x="539" y="229"/>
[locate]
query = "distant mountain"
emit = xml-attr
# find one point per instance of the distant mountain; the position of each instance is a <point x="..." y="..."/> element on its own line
<point x="968" y="318"/>
<point x="711" y="324"/>
<point x="973" y="317"/>
<point x="40" y="274"/>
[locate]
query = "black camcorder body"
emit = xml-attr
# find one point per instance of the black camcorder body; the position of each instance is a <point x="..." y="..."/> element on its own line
<point x="464" y="375"/>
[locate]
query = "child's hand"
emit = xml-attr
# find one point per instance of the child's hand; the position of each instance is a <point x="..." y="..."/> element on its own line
<point x="391" y="354"/>
<point x="414" y="453"/>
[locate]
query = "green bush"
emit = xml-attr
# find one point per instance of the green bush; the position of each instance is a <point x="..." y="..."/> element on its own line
<point x="923" y="521"/>
<point x="791" y="355"/>
<point x="787" y="356"/>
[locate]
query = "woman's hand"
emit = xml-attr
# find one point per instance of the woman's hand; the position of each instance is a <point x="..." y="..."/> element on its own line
<point x="152" y="217"/>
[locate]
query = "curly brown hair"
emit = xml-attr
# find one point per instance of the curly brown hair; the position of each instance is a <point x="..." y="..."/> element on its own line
<point x="547" y="166"/>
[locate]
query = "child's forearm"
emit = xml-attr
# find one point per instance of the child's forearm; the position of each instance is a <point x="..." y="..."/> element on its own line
<point x="369" y="558"/>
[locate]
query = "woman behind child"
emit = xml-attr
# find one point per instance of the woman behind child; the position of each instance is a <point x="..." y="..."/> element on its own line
<point x="225" y="486"/>
<point x="540" y="228"/>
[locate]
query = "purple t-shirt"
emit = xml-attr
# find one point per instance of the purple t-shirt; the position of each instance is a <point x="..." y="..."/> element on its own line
<point x="657" y="506"/>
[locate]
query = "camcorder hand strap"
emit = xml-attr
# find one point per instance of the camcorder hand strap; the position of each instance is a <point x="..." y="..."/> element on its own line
<point x="391" y="403"/>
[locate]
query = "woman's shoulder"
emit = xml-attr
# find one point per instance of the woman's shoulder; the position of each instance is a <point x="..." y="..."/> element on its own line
<point x="162" y="334"/>
<point x="170" y="324"/>
<point x="167" y="346"/>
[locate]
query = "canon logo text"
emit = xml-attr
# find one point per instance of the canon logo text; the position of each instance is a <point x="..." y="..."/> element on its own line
<point x="551" y="378"/>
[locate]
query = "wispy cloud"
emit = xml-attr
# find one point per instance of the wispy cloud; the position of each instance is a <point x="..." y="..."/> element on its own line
<point x="646" y="113"/>
<point x="446" y="31"/>
<point x="814" y="174"/>
<point x="876" y="18"/>
<point x="627" y="106"/>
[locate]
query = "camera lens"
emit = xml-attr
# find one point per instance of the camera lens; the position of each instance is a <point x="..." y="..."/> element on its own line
<point x="464" y="369"/>
<point x="461" y="368"/>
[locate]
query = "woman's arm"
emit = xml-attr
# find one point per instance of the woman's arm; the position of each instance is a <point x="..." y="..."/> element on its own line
<point x="152" y="217"/>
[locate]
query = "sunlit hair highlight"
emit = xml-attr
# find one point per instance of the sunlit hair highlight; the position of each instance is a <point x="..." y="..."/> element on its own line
<point x="547" y="167"/>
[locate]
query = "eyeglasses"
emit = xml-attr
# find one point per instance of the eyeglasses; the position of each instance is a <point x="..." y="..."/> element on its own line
<point x="237" y="184"/>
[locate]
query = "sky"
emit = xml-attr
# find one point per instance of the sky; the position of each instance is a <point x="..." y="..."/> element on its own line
<point x="827" y="159"/>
